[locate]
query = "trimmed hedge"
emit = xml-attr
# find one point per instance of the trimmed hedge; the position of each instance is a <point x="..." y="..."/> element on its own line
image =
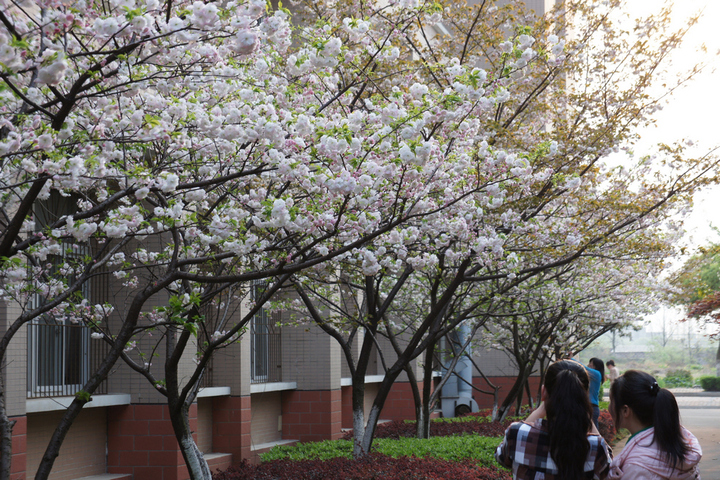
<point x="455" y="448"/>
<point x="458" y="448"/>
<point x="678" y="378"/>
<point x="710" y="384"/>
<point x="474" y="423"/>
<point x="375" y="466"/>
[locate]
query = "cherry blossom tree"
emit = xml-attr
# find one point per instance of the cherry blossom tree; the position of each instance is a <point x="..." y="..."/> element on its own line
<point x="193" y="148"/>
<point x="564" y="310"/>
<point x="547" y="189"/>
<point x="194" y="155"/>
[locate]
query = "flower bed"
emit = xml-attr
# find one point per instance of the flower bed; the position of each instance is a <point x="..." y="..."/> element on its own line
<point x="460" y="447"/>
<point x="375" y="466"/>
<point x="475" y="423"/>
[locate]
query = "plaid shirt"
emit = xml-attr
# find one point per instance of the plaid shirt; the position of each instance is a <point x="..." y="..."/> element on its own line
<point x="526" y="448"/>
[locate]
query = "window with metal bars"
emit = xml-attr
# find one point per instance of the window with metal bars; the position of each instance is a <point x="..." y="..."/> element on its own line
<point x="61" y="355"/>
<point x="266" y="353"/>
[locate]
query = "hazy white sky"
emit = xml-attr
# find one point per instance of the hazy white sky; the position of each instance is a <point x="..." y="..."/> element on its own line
<point x="693" y="111"/>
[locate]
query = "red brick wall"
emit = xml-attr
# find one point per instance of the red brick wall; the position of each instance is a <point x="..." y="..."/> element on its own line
<point x="19" y="448"/>
<point x="231" y="426"/>
<point x="311" y="416"/>
<point x="399" y="404"/>
<point x="141" y="442"/>
<point x="347" y="414"/>
<point x="505" y="384"/>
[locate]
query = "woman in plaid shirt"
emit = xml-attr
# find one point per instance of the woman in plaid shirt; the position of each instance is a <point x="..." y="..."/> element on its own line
<point x="558" y="441"/>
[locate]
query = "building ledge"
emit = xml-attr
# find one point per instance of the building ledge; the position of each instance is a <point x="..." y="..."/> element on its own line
<point x="51" y="404"/>
<point x="213" y="392"/>
<point x="268" y="445"/>
<point x="272" y="387"/>
<point x="218" y="461"/>
<point x="108" y="476"/>
<point x="347" y="381"/>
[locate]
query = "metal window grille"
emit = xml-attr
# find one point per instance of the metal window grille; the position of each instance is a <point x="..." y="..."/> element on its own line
<point x="207" y="379"/>
<point x="61" y="358"/>
<point x="61" y="355"/>
<point x="266" y="353"/>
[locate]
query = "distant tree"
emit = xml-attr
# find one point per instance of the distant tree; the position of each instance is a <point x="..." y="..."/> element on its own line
<point x="696" y="288"/>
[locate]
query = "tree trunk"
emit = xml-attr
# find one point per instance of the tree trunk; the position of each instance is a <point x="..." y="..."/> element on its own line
<point x="369" y="433"/>
<point x="531" y="399"/>
<point x="6" y="428"/>
<point x="717" y="361"/>
<point x="417" y="400"/>
<point x="515" y="391"/>
<point x="194" y="459"/>
<point x="423" y="426"/>
<point x="358" y="404"/>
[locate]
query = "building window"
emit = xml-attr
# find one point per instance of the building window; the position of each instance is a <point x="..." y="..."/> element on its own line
<point x="61" y="354"/>
<point x="266" y="356"/>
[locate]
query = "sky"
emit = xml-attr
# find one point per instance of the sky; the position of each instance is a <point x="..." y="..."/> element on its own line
<point x="692" y="113"/>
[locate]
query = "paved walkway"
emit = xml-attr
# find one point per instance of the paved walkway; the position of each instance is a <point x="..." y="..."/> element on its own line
<point x="692" y="398"/>
<point x="700" y="413"/>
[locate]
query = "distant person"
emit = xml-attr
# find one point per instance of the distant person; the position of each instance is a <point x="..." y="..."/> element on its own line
<point x="558" y="441"/>
<point x="596" y="372"/>
<point x="659" y="448"/>
<point x="613" y="373"/>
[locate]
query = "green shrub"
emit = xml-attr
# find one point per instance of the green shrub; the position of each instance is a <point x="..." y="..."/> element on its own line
<point x="678" y="378"/>
<point x="454" y="448"/>
<point x="710" y="384"/>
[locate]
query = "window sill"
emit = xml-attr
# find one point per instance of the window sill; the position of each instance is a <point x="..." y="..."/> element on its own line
<point x="272" y="387"/>
<point x="347" y="381"/>
<point x="51" y="404"/>
<point x="213" y="392"/>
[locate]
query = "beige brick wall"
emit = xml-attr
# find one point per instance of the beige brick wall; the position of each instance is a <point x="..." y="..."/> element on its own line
<point x="371" y="390"/>
<point x="493" y="362"/>
<point x="83" y="451"/>
<point x="124" y="379"/>
<point x="231" y="367"/>
<point x="205" y="424"/>
<point x="231" y="364"/>
<point x="15" y="371"/>
<point x="266" y="409"/>
<point x="311" y="358"/>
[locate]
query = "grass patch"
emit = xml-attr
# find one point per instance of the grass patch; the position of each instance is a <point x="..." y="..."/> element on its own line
<point x="455" y="448"/>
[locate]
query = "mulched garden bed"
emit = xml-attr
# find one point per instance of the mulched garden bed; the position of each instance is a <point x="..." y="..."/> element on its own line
<point x="377" y="466"/>
<point x="374" y="467"/>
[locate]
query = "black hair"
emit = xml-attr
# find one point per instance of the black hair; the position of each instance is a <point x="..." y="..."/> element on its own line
<point x="653" y="406"/>
<point x="599" y="366"/>
<point x="610" y="363"/>
<point x="569" y="416"/>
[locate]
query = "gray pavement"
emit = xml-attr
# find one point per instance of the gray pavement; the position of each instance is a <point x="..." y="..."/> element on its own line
<point x="699" y="413"/>
<point x="704" y="423"/>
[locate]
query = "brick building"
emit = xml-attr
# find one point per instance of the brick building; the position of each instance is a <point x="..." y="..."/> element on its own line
<point x="275" y="386"/>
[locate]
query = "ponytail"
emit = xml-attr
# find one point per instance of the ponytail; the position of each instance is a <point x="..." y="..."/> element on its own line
<point x="569" y="417"/>
<point x="668" y="434"/>
<point x="654" y="406"/>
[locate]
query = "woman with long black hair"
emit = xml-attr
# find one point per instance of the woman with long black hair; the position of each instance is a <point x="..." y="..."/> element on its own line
<point x="659" y="448"/>
<point x="596" y="373"/>
<point x="558" y="441"/>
